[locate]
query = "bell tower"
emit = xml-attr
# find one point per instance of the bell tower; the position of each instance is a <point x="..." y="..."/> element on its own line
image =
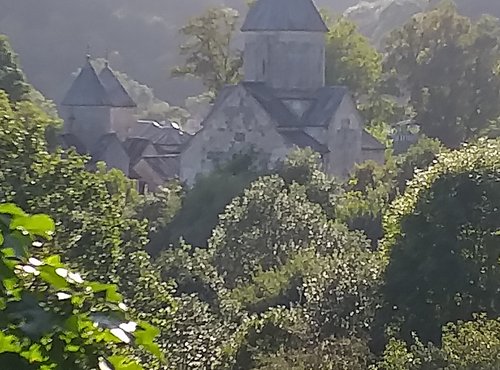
<point x="285" y="44"/>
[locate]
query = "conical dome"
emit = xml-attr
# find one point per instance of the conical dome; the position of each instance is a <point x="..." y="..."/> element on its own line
<point x="116" y="92"/>
<point x="284" y="15"/>
<point x="87" y="89"/>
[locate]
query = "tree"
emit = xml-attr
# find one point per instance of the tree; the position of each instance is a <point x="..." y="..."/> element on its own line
<point x="372" y="188"/>
<point x="209" y="51"/>
<point x="280" y="283"/>
<point x="350" y="59"/>
<point x="306" y="281"/>
<point x="201" y="205"/>
<point x="96" y="233"/>
<point x="12" y="79"/>
<point x="455" y="101"/>
<point x="442" y="244"/>
<point x="466" y="345"/>
<point x="49" y="316"/>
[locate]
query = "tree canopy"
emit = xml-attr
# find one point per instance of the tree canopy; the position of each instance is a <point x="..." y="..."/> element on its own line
<point x="453" y="101"/>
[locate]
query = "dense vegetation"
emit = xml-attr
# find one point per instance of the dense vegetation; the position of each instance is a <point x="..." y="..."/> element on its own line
<point x="394" y="268"/>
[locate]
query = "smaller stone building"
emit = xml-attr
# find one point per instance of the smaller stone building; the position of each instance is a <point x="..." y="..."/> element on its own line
<point x="99" y="120"/>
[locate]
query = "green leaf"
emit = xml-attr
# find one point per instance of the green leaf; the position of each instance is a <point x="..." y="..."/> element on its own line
<point x="12" y="209"/>
<point x="49" y="275"/>
<point x="40" y="225"/>
<point x="122" y="363"/>
<point x="9" y="343"/>
<point x="54" y="261"/>
<point x="145" y="338"/>
<point x="111" y="291"/>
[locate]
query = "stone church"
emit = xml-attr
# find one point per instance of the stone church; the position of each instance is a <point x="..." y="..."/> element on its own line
<point x="281" y="104"/>
<point x="283" y="101"/>
<point x="100" y="121"/>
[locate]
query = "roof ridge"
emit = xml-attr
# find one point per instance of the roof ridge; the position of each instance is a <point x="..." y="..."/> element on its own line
<point x="284" y="15"/>
<point x="118" y="94"/>
<point x="87" y="89"/>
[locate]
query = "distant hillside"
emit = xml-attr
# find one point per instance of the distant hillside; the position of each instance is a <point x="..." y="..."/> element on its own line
<point x="379" y="17"/>
<point x="141" y="36"/>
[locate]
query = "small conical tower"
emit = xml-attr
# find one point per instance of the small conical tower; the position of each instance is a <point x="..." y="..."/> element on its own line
<point x="285" y="44"/>
<point x="124" y="108"/>
<point x="116" y="92"/>
<point x="86" y="108"/>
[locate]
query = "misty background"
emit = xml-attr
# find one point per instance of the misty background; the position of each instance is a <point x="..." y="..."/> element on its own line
<point x="141" y="38"/>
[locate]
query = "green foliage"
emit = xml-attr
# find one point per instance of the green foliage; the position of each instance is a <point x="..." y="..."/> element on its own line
<point x="350" y="59"/>
<point x="367" y="195"/>
<point x="210" y="55"/>
<point x="455" y="101"/>
<point x="441" y="243"/>
<point x="418" y="157"/>
<point x="49" y="316"/>
<point x="214" y="191"/>
<point x="96" y="233"/>
<point x="12" y="79"/>
<point x="466" y="345"/>
<point x="279" y="282"/>
<point x="159" y="208"/>
<point x="372" y="187"/>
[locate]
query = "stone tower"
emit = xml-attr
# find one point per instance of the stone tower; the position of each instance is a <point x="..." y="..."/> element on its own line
<point x="285" y="44"/>
<point x="96" y="105"/>
<point x="123" y="107"/>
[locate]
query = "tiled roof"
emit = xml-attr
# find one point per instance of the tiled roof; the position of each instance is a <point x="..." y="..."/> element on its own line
<point x="324" y="103"/>
<point x="368" y="142"/>
<point x="303" y="140"/>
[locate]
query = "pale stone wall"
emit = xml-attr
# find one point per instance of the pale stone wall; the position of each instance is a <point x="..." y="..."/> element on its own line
<point x="122" y="121"/>
<point x="237" y="125"/>
<point x="344" y="140"/>
<point x="377" y="156"/>
<point x="87" y="123"/>
<point x="148" y="175"/>
<point x="285" y="59"/>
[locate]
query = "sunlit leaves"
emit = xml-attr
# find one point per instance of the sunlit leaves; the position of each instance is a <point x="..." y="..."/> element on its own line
<point x="51" y="324"/>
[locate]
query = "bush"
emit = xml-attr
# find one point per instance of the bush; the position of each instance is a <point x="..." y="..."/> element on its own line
<point x="442" y="243"/>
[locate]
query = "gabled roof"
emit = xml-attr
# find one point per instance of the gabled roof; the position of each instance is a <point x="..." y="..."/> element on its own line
<point x="324" y="103"/>
<point x="284" y="15"/>
<point x="118" y="95"/>
<point x="369" y="142"/>
<point x="103" y="144"/>
<point x="303" y="140"/>
<point x="159" y="133"/>
<point x="273" y="105"/>
<point x="87" y="89"/>
<point x="135" y="148"/>
<point x="166" y="167"/>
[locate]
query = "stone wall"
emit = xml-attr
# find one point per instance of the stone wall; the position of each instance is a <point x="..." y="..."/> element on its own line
<point x="122" y="120"/>
<point x="88" y="124"/>
<point x="344" y="139"/>
<point x="286" y="60"/>
<point x="236" y="125"/>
